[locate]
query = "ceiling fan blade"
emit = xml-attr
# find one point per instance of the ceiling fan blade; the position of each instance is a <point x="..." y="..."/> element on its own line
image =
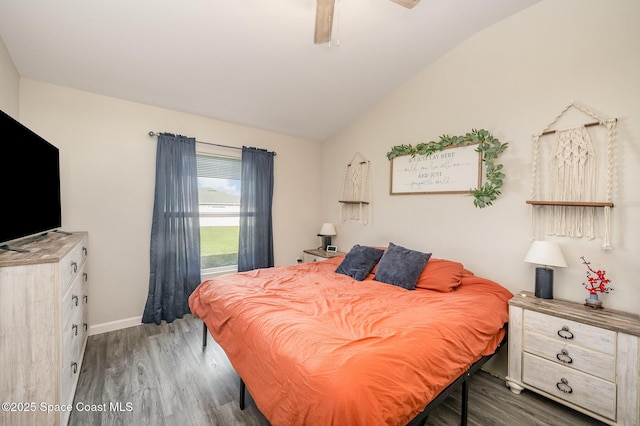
<point x="324" y="19"/>
<point x="407" y="3"/>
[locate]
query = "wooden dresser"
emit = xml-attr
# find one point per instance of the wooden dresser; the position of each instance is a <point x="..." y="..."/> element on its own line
<point x="583" y="358"/>
<point x="43" y="328"/>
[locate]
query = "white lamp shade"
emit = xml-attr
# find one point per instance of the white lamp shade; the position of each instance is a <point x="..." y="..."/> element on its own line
<point x="327" y="229"/>
<point x="545" y="253"/>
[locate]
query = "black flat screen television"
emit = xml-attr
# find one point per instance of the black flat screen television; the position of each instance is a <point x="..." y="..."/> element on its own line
<point x="30" y="182"/>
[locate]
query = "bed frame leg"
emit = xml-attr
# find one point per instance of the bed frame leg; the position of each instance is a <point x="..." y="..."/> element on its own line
<point x="242" y="389"/>
<point x="204" y="335"/>
<point x="465" y="401"/>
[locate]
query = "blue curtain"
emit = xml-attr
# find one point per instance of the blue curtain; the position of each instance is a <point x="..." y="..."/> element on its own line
<point x="255" y="249"/>
<point x="175" y="231"/>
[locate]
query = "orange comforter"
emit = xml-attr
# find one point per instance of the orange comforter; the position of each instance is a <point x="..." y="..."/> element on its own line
<point x="319" y="348"/>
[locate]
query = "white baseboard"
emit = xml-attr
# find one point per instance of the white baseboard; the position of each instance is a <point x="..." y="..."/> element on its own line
<point x="114" y="325"/>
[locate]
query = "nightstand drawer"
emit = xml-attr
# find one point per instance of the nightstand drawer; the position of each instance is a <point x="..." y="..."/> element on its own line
<point x="591" y="362"/>
<point x="588" y="392"/>
<point x="567" y="331"/>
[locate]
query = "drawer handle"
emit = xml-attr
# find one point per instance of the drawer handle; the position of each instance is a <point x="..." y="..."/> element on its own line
<point x="85" y="326"/>
<point x="563" y="386"/>
<point x="85" y="298"/>
<point x="565" y="333"/>
<point x="74" y="265"/>
<point x="564" y="357"/>
<point x="75" y="299"/>
<point x="84" y="250"/>
<point x="85" y="276"/>
<point x="74" y="367"/>
<point x="74" y="327"/>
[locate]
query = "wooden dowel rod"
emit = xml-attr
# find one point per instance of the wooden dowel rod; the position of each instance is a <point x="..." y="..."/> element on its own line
<point x="570" y="203"/>
<point x="549" y="132"/>
<point x="353" y="202"/>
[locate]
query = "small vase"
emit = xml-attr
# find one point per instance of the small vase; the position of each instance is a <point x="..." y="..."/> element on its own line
<point x="593" y="301"/>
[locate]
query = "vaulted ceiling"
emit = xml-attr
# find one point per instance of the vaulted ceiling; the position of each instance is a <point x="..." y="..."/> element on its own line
<point x="251" y="62"/>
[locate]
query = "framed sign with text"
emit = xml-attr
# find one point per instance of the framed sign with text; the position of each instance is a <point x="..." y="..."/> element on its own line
<point x="454" y="170"/>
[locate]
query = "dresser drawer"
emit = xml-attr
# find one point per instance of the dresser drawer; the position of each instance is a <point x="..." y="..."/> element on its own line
<point x="567" y="331"/>
<point x="73" y="299"/>
<point x="66" y="375"/>
<point x="85" y="302"/>
<point x="575" y="387"/>
<point x="72" y="343"/>
<point x="70" y="265"/>
<point x="577" y="357"/>
<point x="72" y="331"/>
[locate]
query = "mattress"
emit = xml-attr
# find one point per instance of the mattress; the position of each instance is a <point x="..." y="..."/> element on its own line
<point x="320" y="348"/>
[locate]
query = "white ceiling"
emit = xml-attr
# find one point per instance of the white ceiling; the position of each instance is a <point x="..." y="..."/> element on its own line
<point x="251" y="62"/>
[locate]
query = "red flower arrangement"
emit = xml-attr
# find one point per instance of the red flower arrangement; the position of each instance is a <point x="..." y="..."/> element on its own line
<point x="598" y="283"/>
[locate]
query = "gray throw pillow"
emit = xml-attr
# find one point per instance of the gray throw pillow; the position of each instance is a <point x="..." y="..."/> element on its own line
<point x="359" y="261"/>
<point x="401" y="266"/>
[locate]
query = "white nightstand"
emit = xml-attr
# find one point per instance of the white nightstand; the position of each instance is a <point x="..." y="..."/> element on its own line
<point x="317" y="255"/>
<point x="583" y="358"/>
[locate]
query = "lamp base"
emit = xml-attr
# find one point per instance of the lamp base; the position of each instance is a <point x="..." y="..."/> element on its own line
<point x="326" y="241"/>
<point x="544" y="283"/>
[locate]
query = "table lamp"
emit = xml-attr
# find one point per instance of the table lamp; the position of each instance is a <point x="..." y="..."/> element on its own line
<point x="545" y="253"/>
<point x="326" y="232"/>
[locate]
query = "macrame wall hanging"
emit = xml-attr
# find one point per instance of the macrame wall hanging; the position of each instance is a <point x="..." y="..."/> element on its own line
<point x="572" y="178"/>
<point x="356" y="190"/>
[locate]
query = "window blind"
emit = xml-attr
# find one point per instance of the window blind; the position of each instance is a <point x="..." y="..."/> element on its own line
<point x="219" y="167"/>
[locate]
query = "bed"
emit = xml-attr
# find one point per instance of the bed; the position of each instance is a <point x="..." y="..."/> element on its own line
<point x="329" y="343"/>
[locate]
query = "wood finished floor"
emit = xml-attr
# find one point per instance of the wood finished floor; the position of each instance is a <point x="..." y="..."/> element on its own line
<point x="159" y="375"/>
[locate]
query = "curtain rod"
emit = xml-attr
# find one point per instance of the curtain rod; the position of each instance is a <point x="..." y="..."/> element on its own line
<point x="152" y="133"/>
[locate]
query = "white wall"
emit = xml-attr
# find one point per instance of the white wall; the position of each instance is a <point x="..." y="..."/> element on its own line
<point x="9" y="83"/>
<point x="511" y="79"/>
<point x="107" y="179"/>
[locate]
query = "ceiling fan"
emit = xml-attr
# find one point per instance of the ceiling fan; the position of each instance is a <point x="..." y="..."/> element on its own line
<point x="324" y="17"/>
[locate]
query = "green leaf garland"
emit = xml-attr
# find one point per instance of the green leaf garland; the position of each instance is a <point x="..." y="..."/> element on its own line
<point x="490" y="149"/>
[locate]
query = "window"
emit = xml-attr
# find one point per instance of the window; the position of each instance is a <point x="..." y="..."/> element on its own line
<point x="219" y="199"/>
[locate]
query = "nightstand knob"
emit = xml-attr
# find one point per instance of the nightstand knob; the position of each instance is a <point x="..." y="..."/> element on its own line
<point x="565" y="333"/>
<point x="563" y="385"/>
<point x="564" y="357"/>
